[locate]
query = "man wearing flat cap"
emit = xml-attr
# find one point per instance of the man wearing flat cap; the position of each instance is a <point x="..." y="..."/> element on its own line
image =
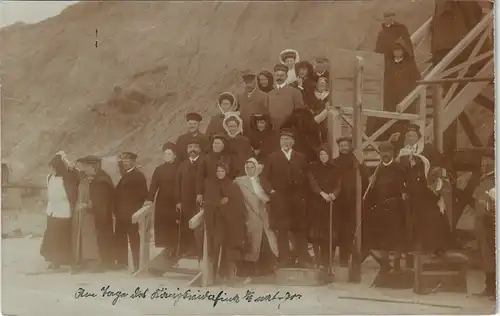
<point x="283" y="99"/>
<point x="93" y="222"/>
<point x="284" y="178"/>
<point x="193" y="126"/>
<point x="385" y="220"/>
<point x="391" y="31"/>
<point x="347" y="164"/>
<point x="251" y="100"/>
<point x="131" y="193"/>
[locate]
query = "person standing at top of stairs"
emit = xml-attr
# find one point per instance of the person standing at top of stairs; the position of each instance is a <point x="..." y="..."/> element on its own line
<point x="391" y="32"/>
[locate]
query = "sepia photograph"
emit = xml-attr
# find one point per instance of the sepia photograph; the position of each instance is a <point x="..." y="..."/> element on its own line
<point x="330" y="157"/>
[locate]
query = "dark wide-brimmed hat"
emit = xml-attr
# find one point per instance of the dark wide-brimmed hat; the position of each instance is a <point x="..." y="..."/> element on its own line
<point x="193" y="116"/>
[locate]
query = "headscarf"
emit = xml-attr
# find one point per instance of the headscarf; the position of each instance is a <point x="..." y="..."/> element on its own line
<point x="270" y="79"/>
<point x="234" y="104"/>
<point x="325" y="148"/>
<point x="233" y="117"/>
<point x="254" y="180"/>
<point x="304" y="64"/>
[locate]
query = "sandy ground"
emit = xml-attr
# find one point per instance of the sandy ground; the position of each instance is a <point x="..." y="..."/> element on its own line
<point x="28" y="290"/>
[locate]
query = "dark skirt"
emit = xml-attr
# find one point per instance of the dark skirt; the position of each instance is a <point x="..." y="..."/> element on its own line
<point x="166" y="226"/>
<point x="384" y="226"/>
<point x="56" y="243"/>
<point x="319" y="216"/>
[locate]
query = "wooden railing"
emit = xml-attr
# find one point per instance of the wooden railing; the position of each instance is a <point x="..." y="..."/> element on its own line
<point x="143" y="217"/>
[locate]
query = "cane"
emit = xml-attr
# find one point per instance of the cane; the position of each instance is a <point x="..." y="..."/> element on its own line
<point x="177" y="249"/>
<point x="330" y="259"/>
<point x="219" y="261"/>
<point x="371" y="181"/>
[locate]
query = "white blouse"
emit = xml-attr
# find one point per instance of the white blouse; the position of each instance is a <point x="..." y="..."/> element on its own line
<point x="58" y="205"/>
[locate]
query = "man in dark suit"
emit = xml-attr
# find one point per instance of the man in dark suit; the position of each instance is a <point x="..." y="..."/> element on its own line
<point x="193" y="124"/>
<point x="284" y="178"/>
<point x="131" y="192"/>
<point x="251" y="101"/>
<point x="283" y="99"/>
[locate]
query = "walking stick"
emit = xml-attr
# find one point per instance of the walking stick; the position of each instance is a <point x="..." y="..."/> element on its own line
<point x="219" y="261"/>
<point x="177" y="249"/>
<point x="78" y="238"/>
<point x="330" y="259"/>
<point x="372" y="181"/>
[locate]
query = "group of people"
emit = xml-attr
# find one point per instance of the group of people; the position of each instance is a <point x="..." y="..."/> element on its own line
<point x="263" y="180"/>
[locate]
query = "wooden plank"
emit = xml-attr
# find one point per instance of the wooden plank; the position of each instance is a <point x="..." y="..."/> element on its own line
<point x="485" y="103"/>
<point x="206" y="264"/>
<point x="342" y="63"/>
<point x="355" y="264"/>
<point x="142" y="213"/>
<point x="469" y="130"/>
<point x="437" y="114"/>
<point x="383" y="114"/>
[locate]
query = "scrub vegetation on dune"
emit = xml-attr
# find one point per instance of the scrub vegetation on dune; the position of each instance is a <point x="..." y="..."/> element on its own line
<point x="155" y="61"/>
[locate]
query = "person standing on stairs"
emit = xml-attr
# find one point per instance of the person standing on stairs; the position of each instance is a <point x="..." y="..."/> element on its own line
<point x="131" y="193"/>
<point x="321" y="65"/>
<point x="239" y="145"/>
<point x="392" y="31"/>
<point x="262" y="137"/>
<point x="400" y="78"/>
<point x="325" y="183"/>
<point x="265" y="81"/>
<point x="251" y="101"/>
<point x="224" y="221"/>
<point x="347" y="164"/>
<point x="305" y="81"/>
<point x="284" y="178"/>
<point x="193" y="126"/>
<point x="191" y="242"/>
<point x="283" y="99"/>
<point x="289" y="57"/>
<point x="227" y="105"/>
<point x="164" y="194"/>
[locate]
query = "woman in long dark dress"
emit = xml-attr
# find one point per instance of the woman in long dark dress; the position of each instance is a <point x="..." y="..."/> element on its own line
<point x="162" y="191"/>
<point x="318" y="103"/>
<point x="62" y="185"/>
<point x="225" y="222"/>
<point x="265" y="81"/>
<point x="239" y="145"/>
<point x="262" y="137"/>
<point x="324" y="179"/>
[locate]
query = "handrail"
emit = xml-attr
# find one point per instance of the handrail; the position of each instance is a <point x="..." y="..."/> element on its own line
<point x="421" y="32"/>
<point x="142" y="213"/>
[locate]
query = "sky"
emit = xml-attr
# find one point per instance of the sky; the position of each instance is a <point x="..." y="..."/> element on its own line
<point x="29" y="11"/>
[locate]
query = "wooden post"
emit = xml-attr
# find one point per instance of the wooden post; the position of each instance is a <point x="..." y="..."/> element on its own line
<point x="437" y="100"/>
<point x="355" y="265"/>
<point x="334" y="122"/>
<point x="206" y="265"/>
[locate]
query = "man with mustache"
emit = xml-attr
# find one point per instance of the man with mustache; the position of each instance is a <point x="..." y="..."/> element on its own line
<point x="283" y="99"/>
<point x="384" y="222"/>
<point x="185" y="188"/>
<point x="284" y="178"/>
<point x="347" y="163"/>
<point x="193" y="120"/>
<point x="251" y="101"/>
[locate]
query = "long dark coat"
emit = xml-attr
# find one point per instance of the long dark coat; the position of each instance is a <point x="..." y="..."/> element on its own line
<point x="306" y="131"/>
<point x="426" y="225"/>
<point x="265" y="141"/>
<point x="208" y="168"/>
<point x="102" y="193"/>
<point x="186" y="190"/>
<point x="163" y="191"/>
<point x="215" y="125"/>
<point x="225" y="224"/>
<point x="131" y="193"/>
<point x="308" y="84"/>
<point x="384" y="219"/>
<point x="282" y="102"/>
<point x="241" y="149"/>
<point x="184" y="140"/>
<point x="323" y="177"/>
<point x="316" y="106"/>
<point x="387" y="36"/>
<point x="290" y="182"/>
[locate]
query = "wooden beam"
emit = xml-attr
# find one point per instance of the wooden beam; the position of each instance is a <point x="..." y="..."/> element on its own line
<point x="421" y="33"/>
<point x="383" y="114"/>
<point x="437" y="95"/>
<point x="485" y="102"/>
<point x="451" y="80"/>
<point x="469" y="130"/>
<point x="467" y="63"/>
<point x="355" y="265"/>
